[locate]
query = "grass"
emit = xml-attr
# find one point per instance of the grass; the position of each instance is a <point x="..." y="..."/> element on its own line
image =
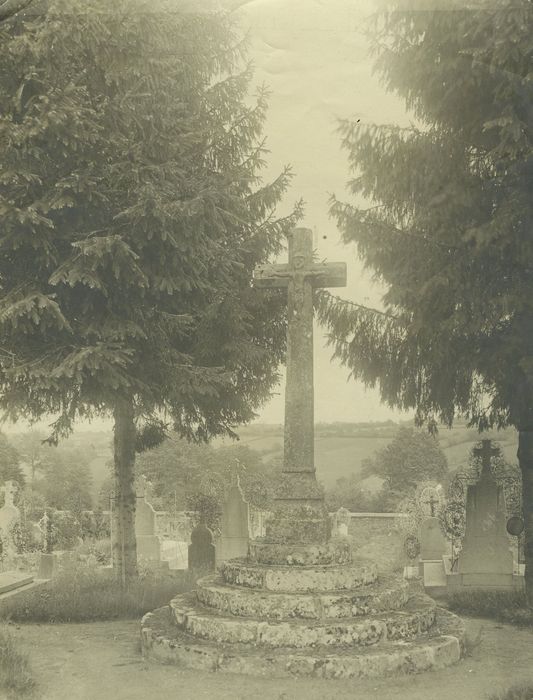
<point x="503" y="606"/>
<point x="87" y="595"/>
<point x="516" y="692"/>
<point x="16" y="679"/>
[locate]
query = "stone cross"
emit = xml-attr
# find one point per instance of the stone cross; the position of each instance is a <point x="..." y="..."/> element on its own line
<point x="300" y="277"/>
<point x="432" y="502"/>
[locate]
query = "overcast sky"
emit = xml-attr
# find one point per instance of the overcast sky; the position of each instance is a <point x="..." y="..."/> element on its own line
<point x="314" y="57"/>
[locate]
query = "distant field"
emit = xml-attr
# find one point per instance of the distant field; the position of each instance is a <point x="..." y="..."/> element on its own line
<point x="336" y="456"/>
<point x="342" y="456"/>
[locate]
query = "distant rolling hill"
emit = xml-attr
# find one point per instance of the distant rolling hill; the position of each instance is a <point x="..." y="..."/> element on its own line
<point x="341" y="448"/>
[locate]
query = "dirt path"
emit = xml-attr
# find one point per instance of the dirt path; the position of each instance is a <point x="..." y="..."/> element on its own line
<point x="101" y="661"/>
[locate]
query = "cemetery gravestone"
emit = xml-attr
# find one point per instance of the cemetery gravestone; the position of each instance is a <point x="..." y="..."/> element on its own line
<point x="148" y="544"/>
<point x="48" y="560"/>
<point x="485" y="560"/>
<point x="201" y="549"/>
<point x="9" y="515"/>
<point x="234" y="526"/>
<point x="433" y="544"/>
<point x="342" y="522"/>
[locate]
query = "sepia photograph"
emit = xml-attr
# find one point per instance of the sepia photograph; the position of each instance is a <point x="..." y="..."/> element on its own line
<point x="266" y="349"/>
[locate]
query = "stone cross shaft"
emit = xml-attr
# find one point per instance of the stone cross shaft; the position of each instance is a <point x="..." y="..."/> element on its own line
<point x="300" y="277"/>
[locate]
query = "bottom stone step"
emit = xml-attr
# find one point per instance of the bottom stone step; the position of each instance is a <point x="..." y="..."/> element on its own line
<point x="162" y="641"/>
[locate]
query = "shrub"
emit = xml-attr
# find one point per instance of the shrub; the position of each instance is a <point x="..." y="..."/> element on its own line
<point x="99" y="549"/>
<point x="23" y="537"/>
<point x="66" y="530"/>
<point x="516" y="692"/>
<point x="15" y="676"/>
<point x="504" y="606"/>
<point x="82" y="594"/>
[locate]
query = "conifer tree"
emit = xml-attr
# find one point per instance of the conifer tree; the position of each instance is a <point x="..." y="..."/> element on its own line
<point x="448" y="229"/>
<point x="133" y="214"/>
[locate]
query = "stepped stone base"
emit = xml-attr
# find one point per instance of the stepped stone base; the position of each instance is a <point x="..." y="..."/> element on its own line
<point x="163" y="641"/>
<point x="296" y="579"/>
<point x="387" y="594"/>
<point x="293" y="609"/>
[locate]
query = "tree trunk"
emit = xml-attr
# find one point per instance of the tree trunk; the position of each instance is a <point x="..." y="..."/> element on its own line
<point x="123" y="541"/>
<point x="525" y="460"/>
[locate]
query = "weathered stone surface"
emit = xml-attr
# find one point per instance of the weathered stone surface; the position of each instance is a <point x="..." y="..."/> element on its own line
<point x="485" y="559"/>
<point x="387" y="595"/>
<point x="10" y="580"/>
<point x="298" y="521"/>
<point x="166" y="643"/>
<point x="298" y="579"/>
<point x="433" y="544"/>
<point x="335" y="552"/>
<point x="415" y="618"/>
<point x="234" y="526"/>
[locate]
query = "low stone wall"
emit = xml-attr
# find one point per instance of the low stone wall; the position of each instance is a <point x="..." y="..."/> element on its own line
<point x="365" y="526"/>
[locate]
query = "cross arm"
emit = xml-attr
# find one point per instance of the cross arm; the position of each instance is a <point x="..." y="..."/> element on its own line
<point x="328" y="274"/>
<point x="272" y="276"/>
<point x="319" y="274"/>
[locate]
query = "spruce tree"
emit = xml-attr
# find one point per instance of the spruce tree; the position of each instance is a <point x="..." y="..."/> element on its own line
<point x="448" y="226"/>
<point x="133" y="214"/>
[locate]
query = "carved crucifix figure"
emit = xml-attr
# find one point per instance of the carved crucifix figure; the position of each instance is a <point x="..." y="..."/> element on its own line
<point x="300" y="277"/>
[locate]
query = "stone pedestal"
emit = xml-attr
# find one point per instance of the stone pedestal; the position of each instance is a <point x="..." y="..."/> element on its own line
<point x="433" y="547"/>
<point x="293" y="610"/>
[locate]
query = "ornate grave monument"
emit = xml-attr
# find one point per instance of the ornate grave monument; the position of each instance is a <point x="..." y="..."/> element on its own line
<point x="298" y="604"/>
<point x="486" y="560"/>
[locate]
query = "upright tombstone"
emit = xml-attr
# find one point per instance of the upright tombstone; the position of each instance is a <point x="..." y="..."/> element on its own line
<point x="148" y="543"/>
<point x="341" y="522"/>
<point x="486" y="560"/>
<point x="433" y="544"/>
<point x="433" y="548"/>
<point x="201" y="550"/>
<point x="9" y="515"/>
<point x="234" y="525"/>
